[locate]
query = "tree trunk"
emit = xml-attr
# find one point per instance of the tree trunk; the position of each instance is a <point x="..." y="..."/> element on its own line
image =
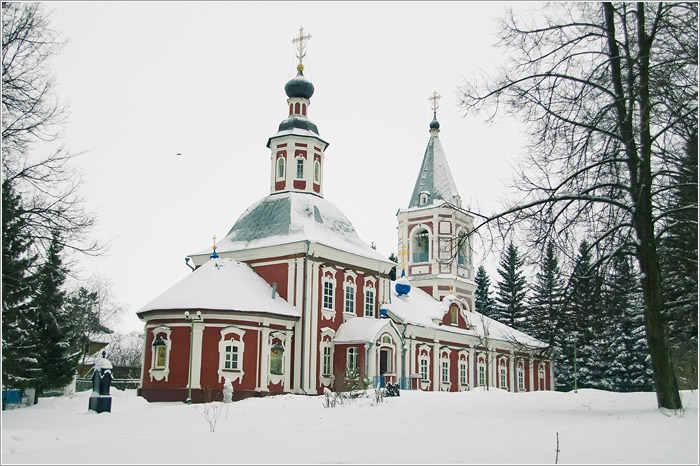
<point x="664" y="378"/>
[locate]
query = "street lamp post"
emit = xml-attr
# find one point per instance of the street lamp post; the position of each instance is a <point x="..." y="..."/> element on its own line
<point x="192" y="320"/>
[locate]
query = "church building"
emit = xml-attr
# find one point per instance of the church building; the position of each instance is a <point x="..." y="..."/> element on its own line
<point x="291" y="300"/>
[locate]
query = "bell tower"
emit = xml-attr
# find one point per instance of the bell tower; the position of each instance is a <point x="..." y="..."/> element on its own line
<point x="297" y="151"/>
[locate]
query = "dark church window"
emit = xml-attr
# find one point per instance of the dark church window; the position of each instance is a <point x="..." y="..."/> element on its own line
<point x="300" y="168"/>
<point x="420" y="246"/>
<point x="276" y="353"/>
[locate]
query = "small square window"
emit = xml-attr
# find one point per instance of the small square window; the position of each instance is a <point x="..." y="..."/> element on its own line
<point x="300" y="168"/>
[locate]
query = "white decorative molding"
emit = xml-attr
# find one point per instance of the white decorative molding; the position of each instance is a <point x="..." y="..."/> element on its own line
<point x="161" y="373"/>
<point x="232" y="375"/>
<point x="326" y="313"/>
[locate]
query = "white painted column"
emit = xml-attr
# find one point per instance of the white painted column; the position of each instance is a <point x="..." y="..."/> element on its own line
<point x="198" y="332"/>
<point x="532" y="375"/>
<point x="298" y="337"/>
<point x="511" y="371"/>
<point x="287" y="359"/>
<point x="470" y="373"/>
<point x="265" y="358"/>
<point x="551" y="374"/>
<point x="436" y="367"/>
<point x="312" y="344"/>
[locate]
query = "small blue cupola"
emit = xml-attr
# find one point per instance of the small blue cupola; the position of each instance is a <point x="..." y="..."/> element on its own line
<point x="402" y="287"/>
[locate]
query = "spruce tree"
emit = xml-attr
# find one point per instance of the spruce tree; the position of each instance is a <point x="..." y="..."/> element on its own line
<point x="679" y="264"/>
<point x="547" y="299"/>
<point x="585" y="312"/>
<point x="483" y="302"/>
<point x="55" y="332"/>
<point x="20" y="358"/>
<point x="510" y="297"/>
<point x="627" y="365"/>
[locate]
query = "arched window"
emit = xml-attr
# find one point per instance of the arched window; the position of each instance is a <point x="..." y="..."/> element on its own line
<point x="300" y="168"/>
<point x="463" y="249"/>
<point x="317" y="172"/>
<point x="280" y="168"/>
<point x="297" y="108"/>
<point x="276" y="359"/>
<point x="454" y="312"/>
<point x="420" y="246"/>
<point x="541" y="377"/>
<point x="303" y="109"/>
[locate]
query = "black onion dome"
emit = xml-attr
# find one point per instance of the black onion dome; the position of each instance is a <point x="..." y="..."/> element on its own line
<point x="299" y="87"/>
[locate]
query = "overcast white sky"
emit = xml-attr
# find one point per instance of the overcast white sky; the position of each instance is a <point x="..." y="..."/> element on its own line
<point x="146" y="81"/>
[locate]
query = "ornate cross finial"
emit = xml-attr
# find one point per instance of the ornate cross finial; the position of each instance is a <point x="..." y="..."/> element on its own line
<point x="435" y="98"/>
<point x="299" y="41"/>
<point x="214" y="255"/>
<point x="403" y="253"/>
<point x="213" y="238"/>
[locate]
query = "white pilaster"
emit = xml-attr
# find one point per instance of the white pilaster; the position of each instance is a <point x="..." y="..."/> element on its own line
<point x="471" y="380"/>
<point x="532" y="374"/>
<point x="197" y="354"/>
<point x="511" y="372"/>
<point x="436" y="367"/>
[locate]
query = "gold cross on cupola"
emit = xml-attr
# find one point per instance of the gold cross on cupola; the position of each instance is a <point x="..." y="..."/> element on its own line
<point x="435" y="98"/>
<point x="403" y="253"/>
<point x="299" y="41"/>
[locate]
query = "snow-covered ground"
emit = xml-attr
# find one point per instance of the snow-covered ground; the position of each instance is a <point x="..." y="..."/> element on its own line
<point x="470" y="427"/>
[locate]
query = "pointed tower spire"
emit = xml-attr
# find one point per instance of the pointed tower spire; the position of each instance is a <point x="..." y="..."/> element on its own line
<point x="435" y="180"/>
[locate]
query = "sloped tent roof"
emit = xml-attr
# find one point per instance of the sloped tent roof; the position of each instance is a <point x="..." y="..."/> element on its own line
<point x="362" y="330"/>
<point x="420" y="308"/>
<point x="290" y="217"/>
<point x="434" y="177"/>
<point x="222" y="284"/>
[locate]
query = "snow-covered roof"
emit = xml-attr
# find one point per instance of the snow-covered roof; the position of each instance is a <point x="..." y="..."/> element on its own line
<point x="420" y="308"/>
<point x="361" y="329"/>
<point x="222" y="284"/>
<point x="290" y="217"/>
<point x="434" y="177"/>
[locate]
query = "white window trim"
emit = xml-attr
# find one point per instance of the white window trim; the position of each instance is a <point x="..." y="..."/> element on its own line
<point x="417" y="229"/>
<point x="281" y="336"/>
<point x="347" y="357"/>
<point x="424" y="383"/>
<point x="445" y="358"/>
<point x="328" y="313"/>
<point x="296" y="167"/>
<point x="463" y="359"/>
<point x="541" y="376"/>
<point x="370" y="289"/>
<point x="317" y="165"/>
<point x="503" y="377"/>
<point x="232" y="375"/>
<point x="327" y="337"/>
<point x="161" y="373"/>
<point x="350" y="284"/>
<point x="277" y="168"/>
<point x="479" y="367"/>
<point x="520" y="375"/>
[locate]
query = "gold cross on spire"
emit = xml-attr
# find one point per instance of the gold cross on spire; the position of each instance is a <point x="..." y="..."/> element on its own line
<point x="299" y="41"/>
<point x="403" y="253"/>
<point x="214" y="240"/>
<point x="435" y="98"/>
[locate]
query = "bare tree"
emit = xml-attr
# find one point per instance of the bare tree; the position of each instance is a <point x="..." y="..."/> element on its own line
<point x="31" y="113"/>
<point x="609" y="92"/>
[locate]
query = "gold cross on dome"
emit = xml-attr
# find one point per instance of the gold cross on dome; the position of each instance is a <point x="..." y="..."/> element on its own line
<point x="214" y="240"/>
<point x="435" y="98"/>
<point x="403" y="253"/>
<point x="299" y="41"/>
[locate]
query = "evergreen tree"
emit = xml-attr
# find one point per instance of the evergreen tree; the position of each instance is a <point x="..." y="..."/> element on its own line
<point x="20" y="358"/>
<point x="627" y="365"/>
<point x="583" y="310"/>
<point x="483" y="303"/>
<point x="54" y="330"/>
<point x="510" y="307"/>
<point x="679" y="263"/>
<point x="82" y="310"/>
<point x="547" y="299"/>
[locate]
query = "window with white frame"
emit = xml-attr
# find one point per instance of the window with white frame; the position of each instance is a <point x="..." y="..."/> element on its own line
<point x="541" y="377"/>
<point x="231" y="349"/>
<point x="463" y="248"/>
<point x="521" y="378"/>
<point x="420" y="246"/>
<point x="349" y="298"/>
<point x="300" y="168"/>
<point x="352" y="358"/>
<point x="231" y="357"/>
<point x="280" y="168"/>
<point x="327" y="366"/>
<point x="504" y="383"/>
<point x="328" y="295"/>
<point x="317" y="172"/>
<point x="482" y="375"/>
<point x="463" y="372"/>
<point x="160" y="354"/>
<point x="424" y="369"/>
<point x="445" y="371"/>
<point x="369" y="303"/>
